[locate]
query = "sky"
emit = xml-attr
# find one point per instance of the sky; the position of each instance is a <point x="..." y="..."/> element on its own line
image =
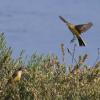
<point x="34" y="25"/>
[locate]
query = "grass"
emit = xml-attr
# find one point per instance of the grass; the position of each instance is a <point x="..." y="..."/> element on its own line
<point x="46" y="78"/>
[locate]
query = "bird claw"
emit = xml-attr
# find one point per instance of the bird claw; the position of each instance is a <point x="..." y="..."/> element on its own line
<point x="72" y="40"/>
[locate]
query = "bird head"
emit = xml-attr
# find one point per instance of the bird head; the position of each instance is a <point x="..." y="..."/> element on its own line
<point x="20" y="69"/>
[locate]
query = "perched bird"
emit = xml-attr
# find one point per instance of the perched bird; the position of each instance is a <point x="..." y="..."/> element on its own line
<point x="16" y="76"/>
<point x="77" y="30"/>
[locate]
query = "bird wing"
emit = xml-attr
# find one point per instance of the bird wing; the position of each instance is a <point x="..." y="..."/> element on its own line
<point x="11" y="80"/>
<point x="15" y="74"/>
<point x="83" y="27"/>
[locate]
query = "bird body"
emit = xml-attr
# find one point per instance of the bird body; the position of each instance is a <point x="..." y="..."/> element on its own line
<point x="72" y="29"/>
<point x="77" y="29"/>
<point x="16" y="76"/>
<point x="76" y="33"/>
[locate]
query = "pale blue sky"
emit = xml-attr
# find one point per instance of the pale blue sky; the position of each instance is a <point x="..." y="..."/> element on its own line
<point x="34" y="25"/>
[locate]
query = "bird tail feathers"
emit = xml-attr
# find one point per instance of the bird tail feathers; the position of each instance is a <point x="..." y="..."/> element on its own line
<point x="81" y="42"/>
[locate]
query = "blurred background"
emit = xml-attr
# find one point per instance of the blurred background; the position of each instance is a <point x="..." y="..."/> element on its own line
<point x="34" y="25"/>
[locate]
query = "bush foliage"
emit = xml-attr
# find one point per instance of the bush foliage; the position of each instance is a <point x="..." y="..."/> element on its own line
<point x="46" y="78"/>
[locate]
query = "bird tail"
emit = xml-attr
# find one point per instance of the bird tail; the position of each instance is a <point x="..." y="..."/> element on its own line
<point x="81" y="42"/>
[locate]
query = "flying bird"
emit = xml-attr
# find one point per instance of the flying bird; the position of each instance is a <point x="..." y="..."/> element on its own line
<point x="77" y="30"/>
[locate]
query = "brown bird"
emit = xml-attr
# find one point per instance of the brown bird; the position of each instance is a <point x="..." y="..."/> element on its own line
<point x="77" y="30"/>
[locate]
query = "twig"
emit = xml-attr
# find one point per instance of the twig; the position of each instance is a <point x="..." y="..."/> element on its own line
<point x="63" y="52"/>
<point x="72" y="55"/>
<point x="98" y="56"/>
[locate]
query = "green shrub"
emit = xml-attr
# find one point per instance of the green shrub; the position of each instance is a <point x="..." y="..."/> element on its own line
<point x="46" y="78"/>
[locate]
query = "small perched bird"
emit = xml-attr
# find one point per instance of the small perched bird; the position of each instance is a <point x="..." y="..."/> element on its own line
<point x="77" y="30"/>
<point x="16" y="76"/>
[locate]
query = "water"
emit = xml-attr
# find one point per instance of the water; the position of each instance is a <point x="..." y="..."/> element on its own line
<point x="34" y="26"/>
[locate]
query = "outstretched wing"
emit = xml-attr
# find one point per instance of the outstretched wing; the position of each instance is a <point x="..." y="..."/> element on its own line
<point x="84" y="27"/>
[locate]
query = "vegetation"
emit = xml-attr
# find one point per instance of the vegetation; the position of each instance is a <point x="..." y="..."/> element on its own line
<point x="46" y="78"/>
